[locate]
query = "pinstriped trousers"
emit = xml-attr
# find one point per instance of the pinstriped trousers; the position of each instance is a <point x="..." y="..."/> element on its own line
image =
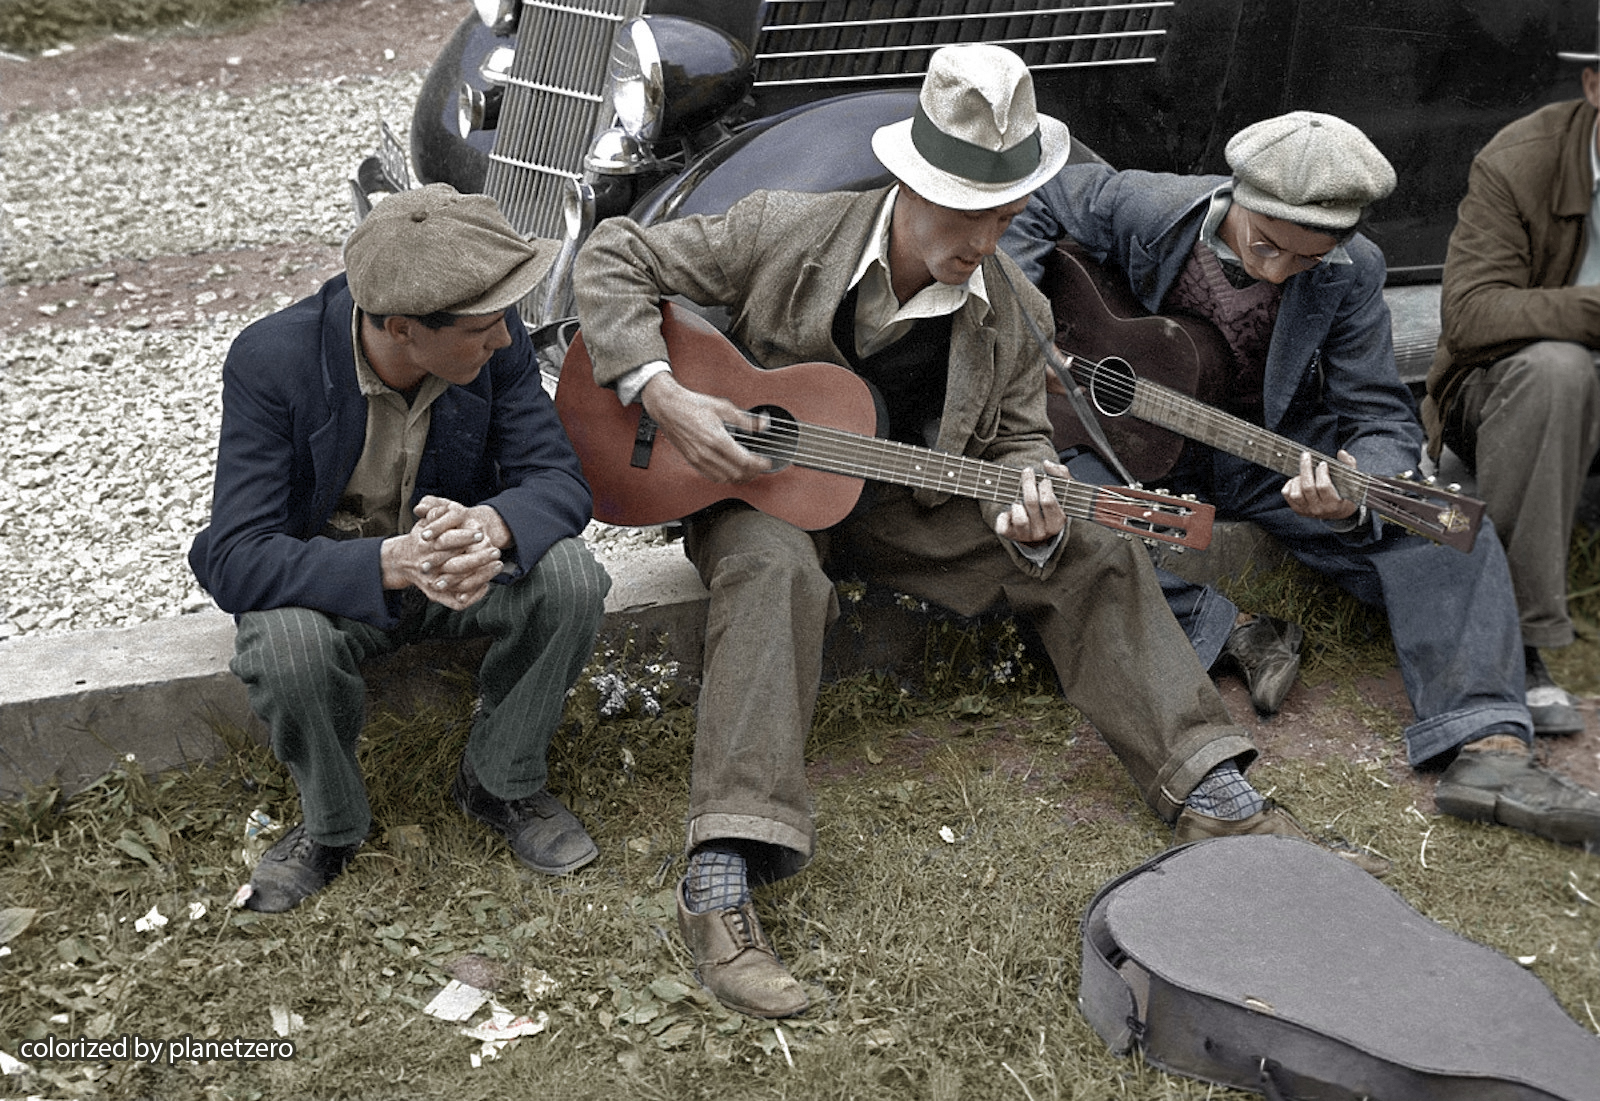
<point x="301" y="668"/>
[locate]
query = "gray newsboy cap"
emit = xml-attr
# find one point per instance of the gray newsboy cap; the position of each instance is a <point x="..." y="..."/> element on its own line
<point x="432" y="249"/>
<point x="1317" y="170"/>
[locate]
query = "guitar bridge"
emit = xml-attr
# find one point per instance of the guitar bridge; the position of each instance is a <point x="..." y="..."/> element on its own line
<point x="644" y="441"/>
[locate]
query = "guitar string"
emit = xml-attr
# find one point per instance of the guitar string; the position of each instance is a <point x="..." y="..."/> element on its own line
<point x="1223" y="426"/>
<point x="848" y="452"/>
<point x="1356" y="486"/>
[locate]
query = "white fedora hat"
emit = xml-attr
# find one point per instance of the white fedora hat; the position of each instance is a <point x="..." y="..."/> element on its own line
<point x="977" y="140"/>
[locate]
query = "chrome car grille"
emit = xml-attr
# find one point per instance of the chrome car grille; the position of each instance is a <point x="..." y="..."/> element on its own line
<point x="840" y="41"/>
<point x="554" y="106"/>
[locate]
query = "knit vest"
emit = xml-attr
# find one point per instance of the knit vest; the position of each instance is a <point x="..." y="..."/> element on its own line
<point x="1243" y="315"/>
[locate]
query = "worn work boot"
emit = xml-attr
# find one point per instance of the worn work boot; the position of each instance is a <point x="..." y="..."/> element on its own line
<point x="1511" y="790"/>
<point x="1276" y="822"/>
<point x="1548" y="703"/>
<point x="543" y="834"/>
<point x="1267" y="652"/>
<point x="735" y="961"/>
<point x="295" y="869"/>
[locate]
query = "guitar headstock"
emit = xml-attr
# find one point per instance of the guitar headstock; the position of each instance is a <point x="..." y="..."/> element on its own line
<point x="1439" y="514"/>
<point x="1156" y="516"/>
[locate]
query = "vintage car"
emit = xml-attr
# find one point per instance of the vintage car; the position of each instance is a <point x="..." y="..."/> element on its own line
<point x="568" y="111"/>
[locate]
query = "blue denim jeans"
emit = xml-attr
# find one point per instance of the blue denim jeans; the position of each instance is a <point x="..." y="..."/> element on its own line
<point x="1452" y="616"/>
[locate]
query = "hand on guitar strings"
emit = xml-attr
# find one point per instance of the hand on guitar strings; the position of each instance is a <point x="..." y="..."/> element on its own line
<point x="1311" y="493"/>
<point x="1036" y="518"/>
<point x="699" y="425"/>
<point x="451" y="553"/>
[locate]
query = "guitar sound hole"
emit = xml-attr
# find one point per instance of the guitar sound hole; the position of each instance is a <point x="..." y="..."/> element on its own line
<point x="1111" y="384"/>
<point x="780" y="439"/>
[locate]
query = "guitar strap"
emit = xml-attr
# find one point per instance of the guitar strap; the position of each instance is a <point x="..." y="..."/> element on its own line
<point x="1080" y="404"/>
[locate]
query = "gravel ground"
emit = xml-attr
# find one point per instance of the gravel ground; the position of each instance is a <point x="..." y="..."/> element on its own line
<point x="109" y="424"/>
<point x="110" y="429"/>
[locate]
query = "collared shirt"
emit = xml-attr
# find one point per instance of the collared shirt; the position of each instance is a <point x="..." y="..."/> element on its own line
<point x="374" y="500"/>
<point x="1589" y="271"/>
<point x="1221" y="200"/>
<point x="881" y="319"/>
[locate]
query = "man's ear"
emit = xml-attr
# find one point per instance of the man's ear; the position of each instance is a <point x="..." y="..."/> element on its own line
<point x="1591" y="86"/>
<point x="397" y="327"/>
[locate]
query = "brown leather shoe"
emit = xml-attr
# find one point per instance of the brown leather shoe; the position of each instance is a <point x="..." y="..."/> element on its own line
<point x="1276" y="822"/>
<point x="735" y="961"/>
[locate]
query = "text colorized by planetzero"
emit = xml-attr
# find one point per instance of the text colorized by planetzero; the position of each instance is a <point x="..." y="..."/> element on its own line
<point x="134" y="1048"/>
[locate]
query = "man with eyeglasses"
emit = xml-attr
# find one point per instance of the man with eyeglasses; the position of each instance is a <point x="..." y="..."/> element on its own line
<point x="1271" y="257"/>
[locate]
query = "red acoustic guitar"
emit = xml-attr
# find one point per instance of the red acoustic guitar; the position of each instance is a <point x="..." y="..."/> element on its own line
<point x="1101" y="329"/>
<point x="820" y="442"/>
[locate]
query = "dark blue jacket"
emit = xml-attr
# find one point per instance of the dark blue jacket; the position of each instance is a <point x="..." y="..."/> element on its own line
<point x="293" y="425"/>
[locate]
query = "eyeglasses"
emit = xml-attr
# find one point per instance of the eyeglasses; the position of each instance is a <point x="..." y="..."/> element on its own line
<point x="1266" y="250"/>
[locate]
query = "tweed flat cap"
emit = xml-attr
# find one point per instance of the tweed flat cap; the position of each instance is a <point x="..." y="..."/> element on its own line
<point x="433" y="249"/>
<point x="1305" y="167"/>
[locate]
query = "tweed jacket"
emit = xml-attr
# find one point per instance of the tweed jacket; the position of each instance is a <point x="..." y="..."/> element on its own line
<point x="781" y="263"/>
<point x="1516" y="247"/>
<point x="1331" y="380"/>
<point x="293" y="427"/>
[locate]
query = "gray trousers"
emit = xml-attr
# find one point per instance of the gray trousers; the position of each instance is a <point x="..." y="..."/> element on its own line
<point x="1120" y="656"/>
<point x="302" y="670"/>
<point x="1529" y="427"/>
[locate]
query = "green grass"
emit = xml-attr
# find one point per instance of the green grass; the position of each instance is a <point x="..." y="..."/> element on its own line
<point x="939" y="969"/>
<point x="28" y="26"/>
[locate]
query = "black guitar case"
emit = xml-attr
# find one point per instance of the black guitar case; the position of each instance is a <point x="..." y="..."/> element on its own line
<point x="1271" y="965"/>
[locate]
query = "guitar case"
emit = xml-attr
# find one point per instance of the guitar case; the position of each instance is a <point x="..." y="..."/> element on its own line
<point x="1271" y="965"/>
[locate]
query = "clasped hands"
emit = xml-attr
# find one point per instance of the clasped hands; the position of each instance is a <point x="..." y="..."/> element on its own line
<point x="451" y="553"/>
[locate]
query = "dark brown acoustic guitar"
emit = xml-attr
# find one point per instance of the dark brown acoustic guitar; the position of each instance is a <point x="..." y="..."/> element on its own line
<point x="821" y="443"/>
<point x="1102" y="332"/>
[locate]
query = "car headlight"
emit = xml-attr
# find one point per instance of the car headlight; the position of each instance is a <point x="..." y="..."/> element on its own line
<point x="672" y="76"/>
<point x="637" y="93"/>
<point x="500" y="16"/>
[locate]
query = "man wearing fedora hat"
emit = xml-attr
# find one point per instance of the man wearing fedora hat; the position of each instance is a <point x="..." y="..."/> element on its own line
<point x="1272" y="259"/>
<point x="391" y="469"/>
<point x="905" y="286"/>
<point x="1513" y="389"/>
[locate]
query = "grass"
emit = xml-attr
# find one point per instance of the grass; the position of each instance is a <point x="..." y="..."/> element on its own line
<point x="29" y="26"/>
<point x="963" y="827"/>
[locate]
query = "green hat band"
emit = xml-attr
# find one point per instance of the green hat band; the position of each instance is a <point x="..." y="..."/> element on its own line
<point x="974" y="162"/>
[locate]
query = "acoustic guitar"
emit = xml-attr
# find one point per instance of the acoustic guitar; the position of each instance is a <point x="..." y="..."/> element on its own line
<point x="820" y="439"/>
<point x="1102" y="330"/>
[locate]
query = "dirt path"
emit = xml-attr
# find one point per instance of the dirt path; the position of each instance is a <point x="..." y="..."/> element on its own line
<point x="313" y="41"/>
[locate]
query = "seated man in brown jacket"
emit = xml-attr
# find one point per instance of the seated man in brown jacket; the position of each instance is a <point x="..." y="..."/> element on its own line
<point x="1514" y="390"/>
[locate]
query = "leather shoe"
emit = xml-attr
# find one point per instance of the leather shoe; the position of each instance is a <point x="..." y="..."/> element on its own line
<point x="1267" y="652"/>
<point x="1548" y="703"/>
<point x="735" y="961"/>
<point x="1274" y="821"/>
<point x="1511" y="790"/>
<point x="295" y="869"/>
<point x="543" y="834"/>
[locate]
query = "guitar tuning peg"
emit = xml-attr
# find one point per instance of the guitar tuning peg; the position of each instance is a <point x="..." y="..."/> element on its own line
<point x="1409" y="475"/>
<point x="1454" y="487"/>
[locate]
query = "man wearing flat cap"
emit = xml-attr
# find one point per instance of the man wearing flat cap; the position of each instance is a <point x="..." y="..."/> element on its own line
<point x="904" y="285"/>
<point x="390" y="469"/>
<point x="1271" y="258"/>
<point x="1514" y="390"/>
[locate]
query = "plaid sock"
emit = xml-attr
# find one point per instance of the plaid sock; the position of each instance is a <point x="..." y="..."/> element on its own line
<point x="718" y="878"/>
<point x="1225" y="793"/>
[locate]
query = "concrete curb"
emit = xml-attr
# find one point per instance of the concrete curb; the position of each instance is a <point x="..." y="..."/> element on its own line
<point x="74" y="705"/>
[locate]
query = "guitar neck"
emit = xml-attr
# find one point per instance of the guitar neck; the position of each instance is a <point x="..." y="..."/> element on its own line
<point x="1196" y="420"/>
<point x="1135" y="512"/>
<point x="1441" y="515"/>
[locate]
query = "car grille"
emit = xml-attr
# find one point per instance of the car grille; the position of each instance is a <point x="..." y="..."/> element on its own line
<point x="840" y="41"/>
<point x="553" y="107"/>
